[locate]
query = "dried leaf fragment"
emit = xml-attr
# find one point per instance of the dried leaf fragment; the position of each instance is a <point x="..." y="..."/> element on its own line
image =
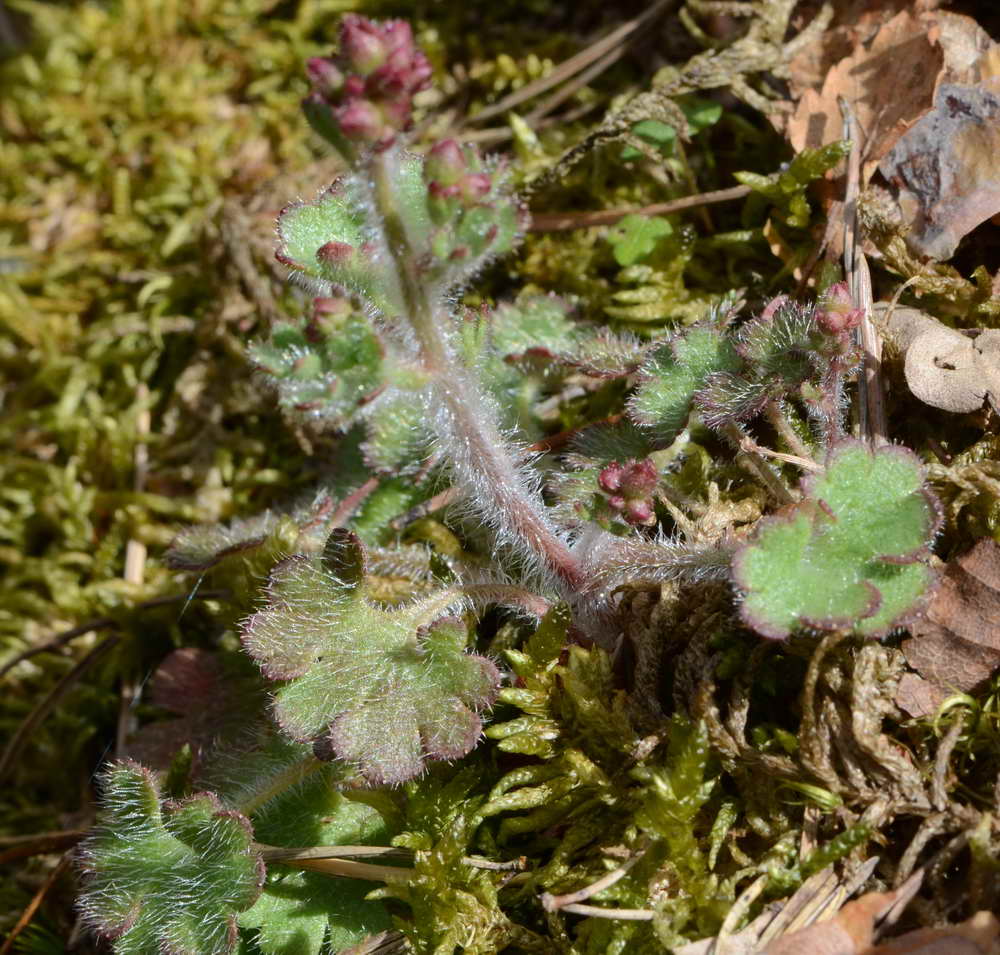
<point x="944" y="169"/>
<point x="957" y="645"/>
<point x="888" y="78"/>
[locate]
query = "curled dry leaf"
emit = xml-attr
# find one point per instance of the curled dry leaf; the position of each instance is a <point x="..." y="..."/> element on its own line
<point x="945" y="368"/>
<point x="979" y="935"/>
<point x="957" y="645"/>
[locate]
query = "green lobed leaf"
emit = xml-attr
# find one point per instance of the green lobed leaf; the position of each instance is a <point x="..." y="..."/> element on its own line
<point x="167" y="878"/>
<point x="635" y="237"/>
<point x="381" y="688"/>
<point x="849" y="555"/>
<point x="675" y="372"/>
<point x="322" y="376"/>
<point x="306" y="231"/>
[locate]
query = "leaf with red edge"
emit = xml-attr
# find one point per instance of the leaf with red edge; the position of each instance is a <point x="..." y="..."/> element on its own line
<point x="384" y="688"/>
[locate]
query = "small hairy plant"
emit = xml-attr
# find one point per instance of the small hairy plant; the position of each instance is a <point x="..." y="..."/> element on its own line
<point x="168" y="877"/>
<point x="377" y="671"/>
<point x="378" y="687"/>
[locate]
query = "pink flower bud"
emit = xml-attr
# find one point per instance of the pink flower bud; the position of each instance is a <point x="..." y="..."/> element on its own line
<point x="324" y="76"/>
<point x="639" y="512"/>
<point x="354" y="87"/>
<point x="610" y="479"/>
<point x="835" y="312"/>
<point x="361" y="121"/>
<point x="398" y="36"/>
<point x="475" y="186"/>
<point x="445" y="162"/>
<point x="639" y="478"/>
<point x="362" y="44"/>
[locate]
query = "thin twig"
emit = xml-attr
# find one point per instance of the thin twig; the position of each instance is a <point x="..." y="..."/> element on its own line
<point x="573" y="86"/>
<point x="552" y="903"/>
<point x="432" y="504"/>
<point x="572" y="66"/>
<point x="595" y="911"/>
<point x="49" y="703"/>
<point x="738" y="911"/>
<point x="775" y="414"/>
<point x="347" y="869"/>
<point x="32" y="907"/>
<point x="871" y="406"/>
<point x="756" y="463"/>
<point x="135" y="570"/>
<point x="13" y="848"/>
<point x="354" y="500"/>
<point x="102" y="623"/>
<point x="939" y="791"/>
<point x="749" y="446"/>
<point x="561" y="221"/>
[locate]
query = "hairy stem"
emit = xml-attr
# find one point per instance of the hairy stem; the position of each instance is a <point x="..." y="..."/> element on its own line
<point x="479" y="454"/>
<point x="756" y="463"/>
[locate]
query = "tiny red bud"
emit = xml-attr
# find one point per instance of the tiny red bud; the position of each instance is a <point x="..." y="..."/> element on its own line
<point x="336" y="253"/>
<point x="835" y="314"/>
<point x="354" y="87"/>
<point x="445" y="162"/>
<point x="610" y="479"/>
<point x="324" y="76"/>
<point x="330" y="307"/>
<point x="361" y="121"/>
<point x="773" y="306"/>
<point x="362" y="44"/>
<point x="616" y="503"/>
<point x="458" y="253"/>
<point x="639" y="512"/>
<point x="476" y="185"/>
<point x="639" y="478"/>
<point x="438" y="190"/>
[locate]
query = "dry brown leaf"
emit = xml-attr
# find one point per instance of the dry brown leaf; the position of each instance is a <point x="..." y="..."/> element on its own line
<point x="944" y="169"/>
<point x="980" y="935"/>
<point x="852" y="930"/>
<point x="888" y="78"/>
<point x="924" y="85"/>
<point x="945" y="368"/>
<point x="918" y="697"/>
<point x="957" y="645"/>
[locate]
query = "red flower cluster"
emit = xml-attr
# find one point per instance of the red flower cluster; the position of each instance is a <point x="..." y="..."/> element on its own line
<point x="629" y="488"/>
<point x="367" y="89"/>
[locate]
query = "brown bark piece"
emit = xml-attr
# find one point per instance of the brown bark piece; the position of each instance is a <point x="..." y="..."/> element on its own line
<point x="957" y="645"/>
<point x="917" y="697"/>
